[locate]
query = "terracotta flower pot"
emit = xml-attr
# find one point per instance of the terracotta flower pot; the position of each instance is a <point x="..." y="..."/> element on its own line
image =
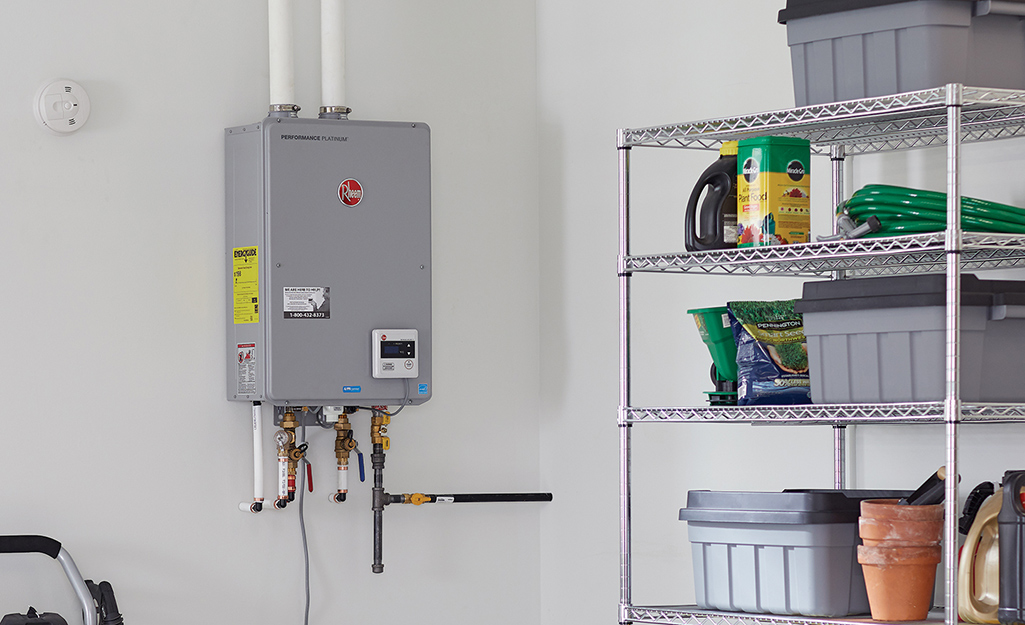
<point x="898" y="533"/>
<point x="899" y="580"/>
<point x="884" y="522"/>
<point x="890" y="509"/>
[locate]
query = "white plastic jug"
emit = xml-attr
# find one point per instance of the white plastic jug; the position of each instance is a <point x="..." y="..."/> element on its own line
<point x="978" y="572"/>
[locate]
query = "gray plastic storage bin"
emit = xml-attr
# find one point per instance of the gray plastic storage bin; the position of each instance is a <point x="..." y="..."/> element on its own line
<point x="793" y="552"/>
<point x="884" y="339"/>
<point x="849" y="49"/>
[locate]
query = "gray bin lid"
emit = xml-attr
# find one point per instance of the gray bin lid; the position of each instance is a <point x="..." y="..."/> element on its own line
<point x="797" y="9"/>
<point x="904" y="292"/>
<point x="790" y="507"/>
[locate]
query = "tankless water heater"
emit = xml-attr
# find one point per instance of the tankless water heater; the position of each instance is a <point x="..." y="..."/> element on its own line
<point x="328" y="262"/>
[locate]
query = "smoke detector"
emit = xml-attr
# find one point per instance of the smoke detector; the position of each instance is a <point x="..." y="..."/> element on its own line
<point x="62" y="106"/>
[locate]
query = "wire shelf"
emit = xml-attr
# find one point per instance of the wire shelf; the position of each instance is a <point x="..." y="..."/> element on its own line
<point x="897" y="122"/>
<point x="887" y="123"/>
<point x="826" y="414"/>
<point x="690" y="615"/>
<point x="923" y="253"/>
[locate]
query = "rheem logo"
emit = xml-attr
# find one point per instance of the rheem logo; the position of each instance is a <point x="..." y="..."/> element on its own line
<point x="350" y="192"/>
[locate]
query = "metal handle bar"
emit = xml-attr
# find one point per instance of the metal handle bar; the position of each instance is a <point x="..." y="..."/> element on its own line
<point x="50" y="547"/>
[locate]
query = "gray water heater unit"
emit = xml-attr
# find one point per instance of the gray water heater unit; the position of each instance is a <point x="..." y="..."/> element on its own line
<point x="328" y="262"/>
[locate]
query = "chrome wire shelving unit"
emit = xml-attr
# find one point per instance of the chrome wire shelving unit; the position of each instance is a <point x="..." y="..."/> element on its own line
<point x="948" y="116"/>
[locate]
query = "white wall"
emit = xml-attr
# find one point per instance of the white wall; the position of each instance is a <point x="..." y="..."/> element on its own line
<point x="607" y="65"/>
<point x="117" y="439"/>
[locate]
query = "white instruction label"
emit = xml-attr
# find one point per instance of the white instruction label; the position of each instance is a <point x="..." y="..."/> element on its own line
<point x="246" y="368"/>
<point x="307" y="302"/>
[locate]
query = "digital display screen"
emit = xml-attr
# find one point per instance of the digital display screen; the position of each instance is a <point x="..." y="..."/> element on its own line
<point x="398" y="349"/>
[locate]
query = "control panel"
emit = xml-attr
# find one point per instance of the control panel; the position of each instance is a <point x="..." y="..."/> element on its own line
<point x="394" y="353"/>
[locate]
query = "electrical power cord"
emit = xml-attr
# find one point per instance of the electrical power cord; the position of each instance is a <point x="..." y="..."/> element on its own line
<point x="405" y="400"/>
<point x="302" y="525"/>
<point x="322" y="421"/>
<point x="903" y="210"/>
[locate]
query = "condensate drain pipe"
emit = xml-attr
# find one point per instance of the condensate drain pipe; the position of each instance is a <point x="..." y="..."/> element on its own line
<point x="257" y="503"/>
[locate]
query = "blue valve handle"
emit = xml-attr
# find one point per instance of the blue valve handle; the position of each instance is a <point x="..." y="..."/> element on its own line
<point x="359" y="457"/>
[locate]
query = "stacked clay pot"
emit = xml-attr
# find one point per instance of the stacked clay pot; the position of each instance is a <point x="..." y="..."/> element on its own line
<point x="899" y="554"/>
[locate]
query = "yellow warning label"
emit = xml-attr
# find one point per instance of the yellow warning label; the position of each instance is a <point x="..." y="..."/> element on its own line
<point x="246" y="284"/>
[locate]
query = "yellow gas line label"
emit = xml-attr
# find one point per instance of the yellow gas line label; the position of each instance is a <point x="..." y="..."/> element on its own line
<point x="246" y="284"/>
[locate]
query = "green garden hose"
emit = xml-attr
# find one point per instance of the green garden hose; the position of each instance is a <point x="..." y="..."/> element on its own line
<point x="901" y="210"/>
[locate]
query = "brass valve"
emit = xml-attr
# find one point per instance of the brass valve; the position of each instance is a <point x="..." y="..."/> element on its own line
<point x="288" y="421"/>
<point x="288" y="425"/>
<point x="343" y="446"/>
<point x="378" y="430"/>
<point x="418" y="498"/>
<point x="344" y="442"/>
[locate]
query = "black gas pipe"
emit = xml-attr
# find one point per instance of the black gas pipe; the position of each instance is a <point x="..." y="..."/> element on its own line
<point x="378" y="428"/>
<point x="421" y="498"/>
<point x="382" y="499"/>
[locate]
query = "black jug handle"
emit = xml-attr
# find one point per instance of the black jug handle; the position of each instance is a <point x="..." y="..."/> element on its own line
<point x="1013" y="483"/>
<point x="720" y="184"/>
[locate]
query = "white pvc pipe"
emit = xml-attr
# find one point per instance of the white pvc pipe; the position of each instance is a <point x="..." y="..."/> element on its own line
<point x="343" y="478"/>
<point x="332" y="52"/>
<point x="257" y="452"/>
<point x="257" y="462"/>
<point x="282" y="63"/>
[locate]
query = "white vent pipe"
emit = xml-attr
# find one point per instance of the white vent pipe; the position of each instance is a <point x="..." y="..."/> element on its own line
<point x="282" y="62"/>
<point x="332" y="56"/>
